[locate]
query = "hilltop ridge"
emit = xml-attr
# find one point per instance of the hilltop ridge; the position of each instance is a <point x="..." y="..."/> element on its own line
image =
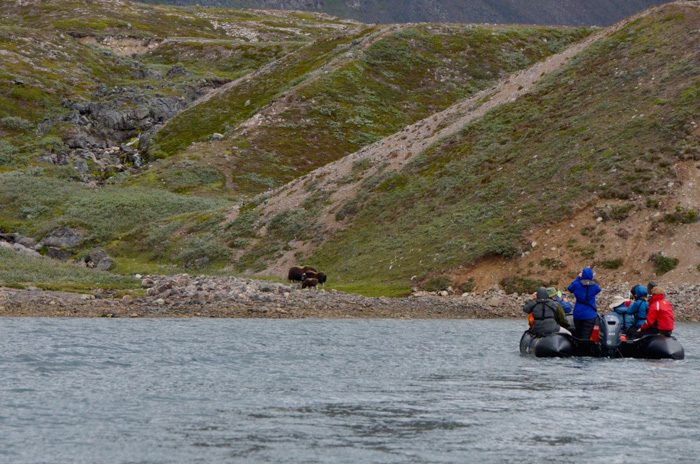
<point x="547" y="12"/>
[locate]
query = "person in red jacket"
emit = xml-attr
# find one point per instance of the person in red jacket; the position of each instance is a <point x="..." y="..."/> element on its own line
<point x="659" y="315"/>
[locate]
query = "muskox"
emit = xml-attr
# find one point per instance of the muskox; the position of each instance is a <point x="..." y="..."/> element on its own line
<point x="296" y="273"/>
<point x="309" y="282"/>
<point x="320" y="276"/>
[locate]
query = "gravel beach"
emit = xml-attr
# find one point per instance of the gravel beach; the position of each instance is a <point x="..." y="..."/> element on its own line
<point x="204" y="296"/>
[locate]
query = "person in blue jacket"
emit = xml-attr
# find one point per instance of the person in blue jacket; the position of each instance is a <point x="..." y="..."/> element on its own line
<point x="568" y="307"/>
<point x="638" y="309"/>
<point x="585" y="311"/>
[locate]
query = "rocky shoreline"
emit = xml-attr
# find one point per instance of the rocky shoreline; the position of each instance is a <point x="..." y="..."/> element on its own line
<point x="232" y="297"/>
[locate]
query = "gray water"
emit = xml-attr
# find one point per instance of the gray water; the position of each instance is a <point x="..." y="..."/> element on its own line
<point x="365" y="391"/>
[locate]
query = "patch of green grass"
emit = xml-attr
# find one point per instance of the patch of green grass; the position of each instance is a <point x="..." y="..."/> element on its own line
<point x="17" y="270"/>
<point x="242" y="102"/>
<point x="104" y="213"/>
<point x="371" y="289"/>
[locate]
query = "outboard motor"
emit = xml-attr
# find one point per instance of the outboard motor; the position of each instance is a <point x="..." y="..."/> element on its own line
<point x="610" y="335"/>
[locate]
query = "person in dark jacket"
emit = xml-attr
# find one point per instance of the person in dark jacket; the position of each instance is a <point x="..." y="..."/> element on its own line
<point x="659" y="315"/>
<point x="543" y="310"/>
<point x="585" y="311"/>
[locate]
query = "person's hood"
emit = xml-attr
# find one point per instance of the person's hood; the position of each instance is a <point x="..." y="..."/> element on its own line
<point x="640" y="292"/>
<point x="542" y="294"/>
<point x="587" y="274"/>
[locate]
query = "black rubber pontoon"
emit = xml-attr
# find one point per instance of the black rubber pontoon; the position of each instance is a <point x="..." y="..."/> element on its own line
<point x="559" y="345"/>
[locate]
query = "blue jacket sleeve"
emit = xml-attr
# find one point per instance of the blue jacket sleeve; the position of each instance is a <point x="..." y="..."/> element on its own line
<point x="634" y="307"/>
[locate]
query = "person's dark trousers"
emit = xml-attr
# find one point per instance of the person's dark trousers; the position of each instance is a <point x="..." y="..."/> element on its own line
<point x="631" y="332"/>
<point x="584" y="327"/>
<point x="651" y="331"/>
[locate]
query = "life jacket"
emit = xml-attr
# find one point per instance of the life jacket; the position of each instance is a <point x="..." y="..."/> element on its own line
<point x="587" y="284"/>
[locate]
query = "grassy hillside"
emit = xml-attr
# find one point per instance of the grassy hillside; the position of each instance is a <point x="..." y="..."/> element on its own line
<point x="116" y="57"/>
<point x="70" y="50"/>
<point x="402" y="76"/>
<point x="609" y="125"/>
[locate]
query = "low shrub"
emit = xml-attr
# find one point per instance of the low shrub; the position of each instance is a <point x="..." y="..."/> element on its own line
<point x="202" y="251"/>
<point x="244" y="224"/>
<point x="551" y="263"/>
<point x="15" y="123"/>
<point x="438" y="283"/>
<point x="8" y="153"/>
<point x="681" y="216"/>
<point x="612" y="264"/>
<point x="663" y="264"/>
<point x="517" y="284"/>
<point x="468" y="285"/>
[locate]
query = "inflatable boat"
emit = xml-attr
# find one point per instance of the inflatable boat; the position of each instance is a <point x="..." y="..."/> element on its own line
<point x="609" y="344"/>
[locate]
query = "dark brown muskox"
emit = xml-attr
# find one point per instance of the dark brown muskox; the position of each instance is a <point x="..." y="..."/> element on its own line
<point x="309" y="282"/>
<point x="296" y="273"/>
<point x="320" y="276"/>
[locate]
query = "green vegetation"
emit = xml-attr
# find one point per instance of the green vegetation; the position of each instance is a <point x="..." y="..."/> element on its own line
<point x="468" y="285"/>
<point x="104" y="213"/>
<point x="681" y="216"/>
<point x="20" y="271"/>
<point x="517" y="284"/>
<point x="663" y="264"/>
<point x="245" y="100"/>
<point x="438" y="283"/>
<point x="402" y="77"/>
<point x="476" y="193"/>
<point x="612" y="264"/>
<point x="551" y="263"/>
<point x="610" y="124"/>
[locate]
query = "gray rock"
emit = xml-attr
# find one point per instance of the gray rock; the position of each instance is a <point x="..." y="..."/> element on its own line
<point x="63" y="237"/>
<point x="177" y="70"/>
<point x="81" y="166"/>
<point x="96" y="256"/>
<point x="46" y="159"/>
<point x="57" y="253"/>
<point x="25" y="241"/>
<point x="21" y="249"/>
<point x="105" y="264"/>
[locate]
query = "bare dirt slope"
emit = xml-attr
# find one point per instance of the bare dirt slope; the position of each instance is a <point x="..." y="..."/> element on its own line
<point x="632" y="240"/>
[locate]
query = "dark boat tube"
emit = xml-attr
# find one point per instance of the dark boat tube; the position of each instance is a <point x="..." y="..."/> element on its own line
<point x="654" y="346"/>
<point x="556" y="345"/>
<point x="560" y="345"/>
